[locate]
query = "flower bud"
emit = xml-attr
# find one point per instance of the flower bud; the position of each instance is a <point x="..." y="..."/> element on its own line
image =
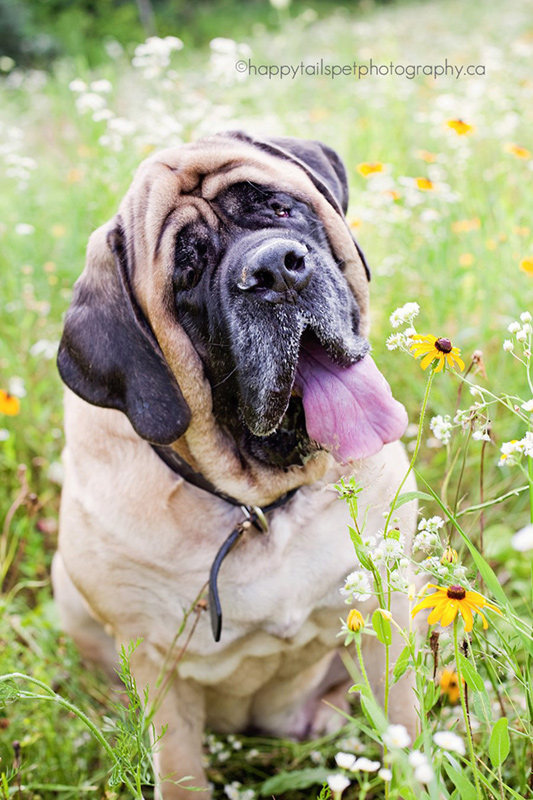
<point x="449" y="556"/>
<point x="355" y="620"/>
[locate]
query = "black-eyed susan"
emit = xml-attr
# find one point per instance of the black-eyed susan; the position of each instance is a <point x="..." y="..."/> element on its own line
<point x="369" y="168"/>
<point x="449" y="685"/>
<point x="425" y="184"/>
<point x="447" y="602"/>
<point x="460" y="127"/>
<point x="435" y="348"/>
<point x="426" y="156"/>
<point x="8" y="404"/>
<point x="526" y="265"/>
<point x="517" y="150"/>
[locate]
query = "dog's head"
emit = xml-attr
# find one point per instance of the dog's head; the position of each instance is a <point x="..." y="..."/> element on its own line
<point x="227" y="303"/>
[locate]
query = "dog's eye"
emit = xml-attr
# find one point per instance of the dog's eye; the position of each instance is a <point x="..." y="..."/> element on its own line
<point x="279" y="210"/>
<point x="191" y="260"/>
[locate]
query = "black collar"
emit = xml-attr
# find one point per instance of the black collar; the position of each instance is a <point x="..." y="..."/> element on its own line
<point x="253" y="515"/>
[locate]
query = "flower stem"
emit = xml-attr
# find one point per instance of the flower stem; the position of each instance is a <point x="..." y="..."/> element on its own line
<point x="465" y="711"/>
<point x="417" y="448"/>
<point x="51" y="695"/>
<point x="362" y="663"/>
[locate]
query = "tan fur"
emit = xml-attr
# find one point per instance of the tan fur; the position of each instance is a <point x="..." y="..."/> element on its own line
<point x="137" y="543"/>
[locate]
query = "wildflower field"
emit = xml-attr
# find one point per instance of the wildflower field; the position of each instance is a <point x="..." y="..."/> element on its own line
<point x="441" y="177"/>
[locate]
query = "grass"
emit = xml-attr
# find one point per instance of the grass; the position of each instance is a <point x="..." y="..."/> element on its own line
<point x="465" y="276"/>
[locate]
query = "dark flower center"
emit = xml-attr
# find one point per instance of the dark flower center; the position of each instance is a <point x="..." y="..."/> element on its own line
<point x="444" y="345"/>
<point x="456" y="593"/>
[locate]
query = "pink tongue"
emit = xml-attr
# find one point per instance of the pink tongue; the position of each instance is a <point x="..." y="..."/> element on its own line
<point x="350" y="411"/>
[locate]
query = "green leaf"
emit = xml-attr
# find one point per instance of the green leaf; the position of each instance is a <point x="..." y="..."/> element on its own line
<point x="402" y="663"/>
<point x="407" y="793"/>
<point x="373" y="713"/>
<point x="406" y="497"/>
<point x="470" y="674"/>
<point x="467" y="790"/>
<point x="382" y="627"/>
<point x="297" y="779"/>
<point x="431" y="696"/>
<point x="499" y="743"/>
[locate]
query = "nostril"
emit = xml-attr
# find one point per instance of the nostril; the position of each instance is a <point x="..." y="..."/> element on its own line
<point x="294" y="262"/>
<point x="264" y="279"/>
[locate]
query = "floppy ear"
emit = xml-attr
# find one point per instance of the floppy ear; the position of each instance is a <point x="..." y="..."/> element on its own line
<point x="108" y="354"/>
<point x="321" y="160"/>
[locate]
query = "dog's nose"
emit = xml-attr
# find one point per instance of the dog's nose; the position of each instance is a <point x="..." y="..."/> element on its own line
<point x="277" y="271"/>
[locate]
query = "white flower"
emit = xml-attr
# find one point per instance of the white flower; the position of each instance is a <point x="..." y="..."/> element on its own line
<point x="4" y="434"/>
<point x="44" y="348"/>
<point x="527" y="328"/>
<point x="385" y="774"/>
<point x="424" y="773"/>
<point x="315" y="756"/>
<point x="396" y="736"/>
<point x="521" y="336"/>
<point x="449" y="740"/>
<point x="527" y="444"/>
<point x="404" y="314"/>
<point x="104" y="86"/>
<point x="395" y="341"/>
<point x="357" y="586"/>
<point x="102" y="115"/>
<point x="432" y="525"/>
<point x="388" y="550"/>
<point x="417" y="759"/>
<point x="366" y="765"/>
<point x="523" y="539"/>
<point x="77" y="85"/>
<point x="514" y="327"/>
<point x="16" y="386"/>
<point x="24" y="229"/>
<point x="280" y="5"/>
<point x="89" y="101"/>
<point x="231" y="790"/>
<point x="441" y="428"/>
<point x="508" y="345"/>
<point x="481" y="435"/>
<point x="425" y="541"/>
<point x="345" y="760"/>
<point x="337" y="783"/>
<point x="525" y="316"/>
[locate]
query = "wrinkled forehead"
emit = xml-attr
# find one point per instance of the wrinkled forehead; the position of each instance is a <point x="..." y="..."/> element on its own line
<point x="176" y="186"/>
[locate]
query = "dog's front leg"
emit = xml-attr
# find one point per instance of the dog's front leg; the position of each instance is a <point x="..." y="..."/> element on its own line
<point x="180" y="707"/>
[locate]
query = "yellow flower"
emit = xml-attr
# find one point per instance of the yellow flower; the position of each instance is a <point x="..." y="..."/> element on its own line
<point x="450" y="556"/>
<point x="355" y="620"/>
<point x="461" y="127"/>
<point x="393" y="194"/>
<point x="446" y="602"/>
<point x="436" y="348"/>
<point x="465" y="225"/>
<point x="425" y="155"/>
<point x="449" y="685"/>
<point x="517" y="150"/>
<point x="367" y="168"/>
<point x="425" y="184"/>
<point x="521" y="230"/>
<point x="466" y="260"/>
<point x="526" y="265"/>
<point x="8" y="404"/>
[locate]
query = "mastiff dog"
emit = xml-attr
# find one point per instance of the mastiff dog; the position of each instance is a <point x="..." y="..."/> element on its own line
<point x="219" y="380"/>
